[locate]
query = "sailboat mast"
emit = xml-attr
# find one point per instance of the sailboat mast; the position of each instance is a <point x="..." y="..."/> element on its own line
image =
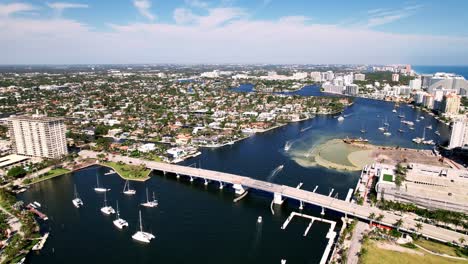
<point x="105" y="200"/>
<point x="118" y="215"/>
<point x="147" y="198"/>
<point x="141" y="225"/>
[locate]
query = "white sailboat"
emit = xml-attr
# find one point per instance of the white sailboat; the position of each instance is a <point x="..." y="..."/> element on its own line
<point x="149" y="203"/>
<point x="107" y="209"/>
<point x="119" y="222"/>
<point x="142" y="236"/>
<point x="99" y="188"/>
<point x="77" y="202"/>
<point x="419" y="140"/>
<point x="127" y="189"/>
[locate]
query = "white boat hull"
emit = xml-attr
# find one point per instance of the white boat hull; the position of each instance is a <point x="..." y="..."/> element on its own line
<point x="120" y="223"/>
<point x="150" y="204"/>
<point x="101" y="189"/>
<point x="143" y="236"/>
<point x="77" y="202"/>
<point x="130" y="192"/>
<point x="108" y="210"/>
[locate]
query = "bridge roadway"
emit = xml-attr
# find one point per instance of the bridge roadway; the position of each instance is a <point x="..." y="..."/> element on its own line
<point x="351" y="209"/>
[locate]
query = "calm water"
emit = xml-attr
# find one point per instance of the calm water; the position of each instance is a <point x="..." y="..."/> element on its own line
<point x="198" y="224"/>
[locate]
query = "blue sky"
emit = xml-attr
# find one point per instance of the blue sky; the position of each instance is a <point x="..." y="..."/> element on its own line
<point x="233" y="31"/>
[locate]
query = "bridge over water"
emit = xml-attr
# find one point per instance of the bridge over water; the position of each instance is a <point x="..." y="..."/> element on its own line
<point x="242" y="183"/>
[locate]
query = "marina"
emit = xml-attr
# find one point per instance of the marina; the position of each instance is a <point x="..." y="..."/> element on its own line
<point x="257" y="154"/>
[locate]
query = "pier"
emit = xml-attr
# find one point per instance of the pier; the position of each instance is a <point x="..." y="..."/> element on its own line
<point x="280" y="192"/>
<point x="331" y="234"/>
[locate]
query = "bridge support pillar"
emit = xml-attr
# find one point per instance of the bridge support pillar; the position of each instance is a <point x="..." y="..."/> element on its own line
<point x="221" y="185"/>
<point x="301" y="205"/>
<point x="277" y="198"/>
<point x="206" y="182"/>
<point x="239" y="189"/>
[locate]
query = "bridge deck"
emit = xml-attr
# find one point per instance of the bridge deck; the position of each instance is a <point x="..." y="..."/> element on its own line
<point x="363" y="212"/>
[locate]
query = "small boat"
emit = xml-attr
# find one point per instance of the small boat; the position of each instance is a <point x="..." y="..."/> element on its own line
<point x="419" y="140"/>
<point x="98" y="188"/>
<point x="38" y="205"/>
<point x="411" y="127"/>
<point x="382" y="128"/>
<point x="149" y="203"/>
<point x="127" y="189"/>
<point x="259" y="219"/>
<point x="119" y="222"/>
<point x="421" y="117"/>
<point x="283" y="261"/>
<point x="287" y="146"/>
<point x="340" y="118"/>
<point x="387" y="133"/>
<point x="437" y="133"/>
<point x="429" y="127"/>
<point x="428" y="142"/>
<point x="230" y="143"/>
<point x="109" y="172"/>
<point x="142" y="236"/>
<point x="108" y="210"/>
<point x="394" y="111"/>
<point x="77" y="202"/>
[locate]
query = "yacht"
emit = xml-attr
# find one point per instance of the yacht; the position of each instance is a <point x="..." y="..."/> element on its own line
<point x="142" y="236"/>
<point x="109" y="172"/>
<point x="77" y="202"/>
<point x="119" y="222"/>
<point x="287" y="146"/>
<point x="108" y="210"/>
<point x="382" y="128"/>
<point x="127" y="189"/>
<point x="411" y="127"/>
<point x="340" y="118"/>
<point x="98" y="188"/>
<point x="259" y="219"/>
<point x="394" y="110"/>
<point x="429" y="127"/>
<point x="437" y="133"/>
<point x="428" y="142"/>
<point x="419" y="140"/>
<point x="149" y="203"/>
<point x="387" y="133"/>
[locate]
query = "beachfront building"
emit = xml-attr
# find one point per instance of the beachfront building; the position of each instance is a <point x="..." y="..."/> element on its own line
<point x="352" y="89"/>
<point x="459" y="133"/>
<point x="395" y="77"/>
<point x="426" y="186"/>
<point x="415" y="84"/>
<point x="38" y="136"/>
<point x="450" y="104"/>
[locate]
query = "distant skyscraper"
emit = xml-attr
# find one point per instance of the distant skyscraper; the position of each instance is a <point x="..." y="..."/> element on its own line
<point x="395" y="77"/>
<point x="38" y="136"/>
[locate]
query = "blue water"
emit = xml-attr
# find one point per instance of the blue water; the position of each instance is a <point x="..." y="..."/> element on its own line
<point x="460" y="70"/>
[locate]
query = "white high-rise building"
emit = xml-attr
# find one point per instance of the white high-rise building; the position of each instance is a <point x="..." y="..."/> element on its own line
<point x="415" y="84"/>
<point x="395" y="77"/>
<point x="359" y="77"/>
<point x="38" y="136"/>
<point x="316" y="76"/>
<point x="459" y="133"/>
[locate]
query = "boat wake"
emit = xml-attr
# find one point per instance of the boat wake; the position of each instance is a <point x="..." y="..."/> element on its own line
<point x="306" y="128"/>
<point x="275" y="172"/>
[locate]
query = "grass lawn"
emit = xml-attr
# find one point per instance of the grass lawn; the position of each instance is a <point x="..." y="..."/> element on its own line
<point x="50" y="174"/>
<point x="388" y="177"/>
<point x="383" y="256"/>
<point x="437" y="247"/>
<point x="129" y="172"/>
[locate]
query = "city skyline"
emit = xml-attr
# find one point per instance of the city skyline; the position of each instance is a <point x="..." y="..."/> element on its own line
<point x="268" y="31"/>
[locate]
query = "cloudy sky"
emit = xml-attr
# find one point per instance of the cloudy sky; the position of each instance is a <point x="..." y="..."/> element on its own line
<point x="234" y="31"/>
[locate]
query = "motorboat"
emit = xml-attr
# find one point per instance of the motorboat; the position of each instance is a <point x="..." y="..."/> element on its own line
<point x="259" y="219"/>
<point x="387" y="133"/>
<point x="142" y="236"/>
<point x="119" y="222"/>
<point x="340" y="118"/>
<point x="77" y="202"/>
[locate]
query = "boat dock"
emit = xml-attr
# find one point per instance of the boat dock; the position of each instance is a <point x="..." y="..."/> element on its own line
<point x="331" y="234"/>
<point x="41" y="243"/>
<point x="37" y="212"/>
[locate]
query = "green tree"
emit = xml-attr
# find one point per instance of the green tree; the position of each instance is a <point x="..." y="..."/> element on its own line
<point x="16" y="172"/>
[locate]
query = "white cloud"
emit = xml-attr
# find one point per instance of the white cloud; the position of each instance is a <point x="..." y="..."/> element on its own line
<point x="9" y="9"/>
<point x="221" y="36"/>
<point x="196" y="3"/>
<point x="383" y="16"/>
<point x="59" y="7"/>
<point x="144" y="6"/>
<point x="184" y="16"/>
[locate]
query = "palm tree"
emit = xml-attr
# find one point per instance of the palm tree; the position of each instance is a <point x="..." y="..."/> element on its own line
<point x="371" y="217"/>
<point x="379" y="218"/>
<point x="461" y="240"/>
<point x="419" y="227"/>
<point x="398" y="224"/>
